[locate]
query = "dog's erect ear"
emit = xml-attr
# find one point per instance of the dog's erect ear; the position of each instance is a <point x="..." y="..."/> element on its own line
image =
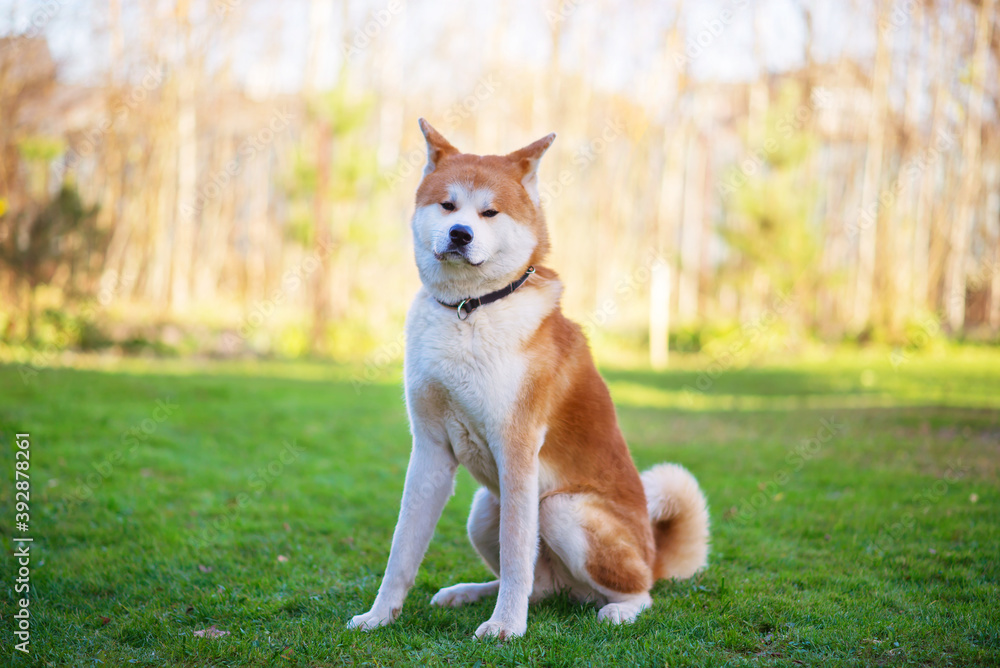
<point x="527" y="160"/>
<point x="437" y="146"/>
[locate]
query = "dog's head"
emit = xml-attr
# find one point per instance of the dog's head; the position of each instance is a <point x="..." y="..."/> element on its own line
<point x="478" y="223"/>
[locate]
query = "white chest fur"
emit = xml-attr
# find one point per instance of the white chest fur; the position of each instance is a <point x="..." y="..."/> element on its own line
<point x="481" y="364"/>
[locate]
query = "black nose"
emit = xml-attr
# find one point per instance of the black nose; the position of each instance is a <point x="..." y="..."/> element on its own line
<point x="460" y="235"/>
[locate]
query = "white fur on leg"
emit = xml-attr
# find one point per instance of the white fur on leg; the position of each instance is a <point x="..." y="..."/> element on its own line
<point x="468" y="592"/>
<point x="518" y="546"/>
<point x="372" y="620"/>
<point x="430" y="479"/>
<point x="626" y="610"/>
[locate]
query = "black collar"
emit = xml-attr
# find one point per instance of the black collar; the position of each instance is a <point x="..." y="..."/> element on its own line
<point x="470" y="305"/>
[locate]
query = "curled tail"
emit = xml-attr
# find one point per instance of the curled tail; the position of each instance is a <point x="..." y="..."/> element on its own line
<point x="679" y="514"/>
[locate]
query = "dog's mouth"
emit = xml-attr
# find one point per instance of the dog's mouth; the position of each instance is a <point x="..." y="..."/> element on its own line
<point x="456" y="255"/>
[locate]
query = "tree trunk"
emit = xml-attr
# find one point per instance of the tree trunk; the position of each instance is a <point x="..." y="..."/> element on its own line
<point x="928" y="182"/>
<point x="955" y="276"/>
<point x="900" y="303"/>
<point x="691" y="230"/>
<point x="187" y="171"/>
<point x="867" y="224"/>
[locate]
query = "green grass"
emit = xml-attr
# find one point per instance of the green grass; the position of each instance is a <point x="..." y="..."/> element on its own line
<point x="856" y="545"/>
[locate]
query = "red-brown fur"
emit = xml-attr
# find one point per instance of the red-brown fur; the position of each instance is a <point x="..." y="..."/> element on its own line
<point x="558" y="439"/>
<point x="586" y="447"/>
<point x="565" y="392"/>
<point x="500" y="173"/>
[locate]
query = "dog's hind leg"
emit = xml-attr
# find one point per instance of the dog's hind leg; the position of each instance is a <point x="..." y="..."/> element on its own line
<point x="551" y="575"/>
<point x="608" y="559"/>
<point x="484" y="528"/>
<point x="467" y="592"/>
<point x="484" y="533"/>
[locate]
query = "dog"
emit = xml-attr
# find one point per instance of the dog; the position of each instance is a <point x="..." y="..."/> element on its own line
<point x="498" y="380"/>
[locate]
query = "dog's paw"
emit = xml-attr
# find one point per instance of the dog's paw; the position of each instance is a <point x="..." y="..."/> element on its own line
<point x="460" y="594"/>
<point x="500" y="630"/>
<point x="624" y="612"/>
<point x="613" y="614"/>
<point x="372" y="620"/>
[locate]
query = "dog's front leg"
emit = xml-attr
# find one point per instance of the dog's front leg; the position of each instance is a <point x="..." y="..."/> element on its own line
<point x="430" y="479"/>
<point x="518" y="468"/>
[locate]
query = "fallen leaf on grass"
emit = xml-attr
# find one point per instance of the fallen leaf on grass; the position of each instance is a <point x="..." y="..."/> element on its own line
<point x="211" y="632"/>
<point x="287" y="527"/>
<point x="105" y="620"/>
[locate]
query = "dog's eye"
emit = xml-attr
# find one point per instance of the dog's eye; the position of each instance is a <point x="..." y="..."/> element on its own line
<point x="489" y="213"/>
<point x="447" y="206"/>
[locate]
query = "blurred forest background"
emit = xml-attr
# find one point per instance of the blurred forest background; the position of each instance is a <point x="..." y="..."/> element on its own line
<point x="235" y="177"/>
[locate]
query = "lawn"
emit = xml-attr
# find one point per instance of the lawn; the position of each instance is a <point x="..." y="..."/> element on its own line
<point x="855" y="507"/>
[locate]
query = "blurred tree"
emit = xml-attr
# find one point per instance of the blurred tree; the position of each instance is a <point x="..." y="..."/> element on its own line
<point x="868" y="217"/>
<point x="332" y="169"/>
<point x="180" y="109"/>
<point x="62" y="234"/>
<point x="777" y="244"/>
<point x="956" y="276"/>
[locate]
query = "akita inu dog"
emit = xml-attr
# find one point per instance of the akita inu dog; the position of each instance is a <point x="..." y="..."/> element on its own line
<point x="497" y="379"/>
